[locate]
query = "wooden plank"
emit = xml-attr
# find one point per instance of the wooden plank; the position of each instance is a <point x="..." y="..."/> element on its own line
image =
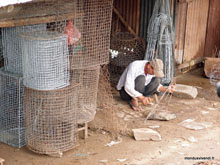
<point x="180" y="33"/>
<point x="212" y="44"/>
<point x="35" y="13"/>
<point x="123" y="21"/>
<point x="38" y="20"/>
<point x="196" y="24"/>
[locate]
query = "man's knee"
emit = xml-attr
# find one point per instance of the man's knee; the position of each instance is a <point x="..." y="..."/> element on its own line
<point x="140" y="83"/>
<point x="156" y="81"/>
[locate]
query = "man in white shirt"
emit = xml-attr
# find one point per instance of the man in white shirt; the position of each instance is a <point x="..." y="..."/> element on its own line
<point x="140" y="80"/>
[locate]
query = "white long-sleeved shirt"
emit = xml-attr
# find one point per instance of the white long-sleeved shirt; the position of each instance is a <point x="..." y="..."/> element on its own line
<point x="127" y="79"/>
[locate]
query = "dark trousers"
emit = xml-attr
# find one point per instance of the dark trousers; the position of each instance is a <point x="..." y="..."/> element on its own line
<point x="147" y="90"/>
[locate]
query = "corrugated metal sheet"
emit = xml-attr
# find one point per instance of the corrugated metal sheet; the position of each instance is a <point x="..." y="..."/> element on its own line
<point x="130" y="12"/>
<point x="197" y="14"/>
<point x="213" y="30"/>
<point x="146" y="12"/>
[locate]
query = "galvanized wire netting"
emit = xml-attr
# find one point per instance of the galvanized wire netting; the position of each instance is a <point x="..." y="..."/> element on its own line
<point x="11" y="46"/>
<point x="81" y="46"/>
<point x="50" y="118"/>
<point x="45" y="60"/>
<point x="87" y="92"/>
<point x="160" y="38"/>
<point x="93" y="49"/>
<point x="125" y="48"/>
<point x="12" y="130"/>
<point x="106" y="104"/>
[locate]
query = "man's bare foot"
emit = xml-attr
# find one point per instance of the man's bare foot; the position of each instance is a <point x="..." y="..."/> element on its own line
<point x="135" y="106"/>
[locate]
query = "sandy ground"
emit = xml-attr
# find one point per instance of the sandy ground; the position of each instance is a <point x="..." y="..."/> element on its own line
<point x="175" y="148"/>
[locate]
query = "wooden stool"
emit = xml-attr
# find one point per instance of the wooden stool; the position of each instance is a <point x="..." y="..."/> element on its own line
<point x="1" y="161"/>
<point x="84" y="128"/>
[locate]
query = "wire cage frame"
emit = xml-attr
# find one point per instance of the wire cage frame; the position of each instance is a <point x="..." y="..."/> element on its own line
<point x="50" y="118"/>
<point x="87" y="96"/>
<point x="12" y="129"/>
<point x="11" y="45"/>
<point x="45" y="60"/>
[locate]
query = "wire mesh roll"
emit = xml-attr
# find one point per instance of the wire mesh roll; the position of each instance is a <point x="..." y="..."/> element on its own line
<point x="126" y="48"/>
<point x="87" y="97"/>
<point x="45" y="60"/>
<point x="12" y="131"/>
<point x="50" y="118"/>
<point x="11" y="45"/>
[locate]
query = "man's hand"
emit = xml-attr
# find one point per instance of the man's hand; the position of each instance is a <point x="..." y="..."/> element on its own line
<point x="171" y="88"/>
<point x="145" y="100"/>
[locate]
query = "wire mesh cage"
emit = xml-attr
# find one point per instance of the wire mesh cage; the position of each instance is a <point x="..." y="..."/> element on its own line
<point x="87" y="97"/>
<point x="11" y="45"/>
<point x="12" y="130"/>
<point x="125" y="48"/>
<point x="45" y="60"/>
<point x="50" y="118"/>
<point x="93" y="47"/>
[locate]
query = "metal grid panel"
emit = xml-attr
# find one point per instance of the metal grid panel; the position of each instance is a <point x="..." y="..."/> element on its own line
<point x="45" y="60"/>
<point x="12" y="131"/>
<point x="11" y="45"/>
<point x="87" y="96"/>
<point x="50" y="118"/>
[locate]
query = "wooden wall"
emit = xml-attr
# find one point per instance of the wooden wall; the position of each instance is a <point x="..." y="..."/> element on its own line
<point x="126" y="16"/>
<point x="191" y="30"/>
<point x="212" y="45"/>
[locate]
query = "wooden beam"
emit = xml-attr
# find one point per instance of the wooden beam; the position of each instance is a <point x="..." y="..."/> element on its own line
<point x="38" y="20"/>
<point x="123" y="21"/>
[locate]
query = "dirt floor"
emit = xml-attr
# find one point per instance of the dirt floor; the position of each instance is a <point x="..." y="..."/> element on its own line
<point x="179" y="145"/>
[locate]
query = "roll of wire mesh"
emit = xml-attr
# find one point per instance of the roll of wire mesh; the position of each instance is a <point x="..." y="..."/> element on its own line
<point x="50" y="118"/>
<point x="45" y="60"/>
<point x="11" y="45"/>
<point x="87" y="96"/>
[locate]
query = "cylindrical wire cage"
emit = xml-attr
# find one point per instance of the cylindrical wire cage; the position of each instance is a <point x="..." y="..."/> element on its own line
<point x="93" y="47"/>
<point x="50" y="119"/>
<point x="87" y="95"/>
<point x="11" y="45"/>
<point x="126" y="48"/>
<point x="45" y="60"/>
<point x="12" y="130"/>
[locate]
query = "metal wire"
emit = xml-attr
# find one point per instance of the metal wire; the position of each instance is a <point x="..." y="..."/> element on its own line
<point x="125" y="48"/>
<point x="12" y="130"/>
<point x="88" y="79"/>
<point x="45" y="60"/>
<point x="11" y="45"/>
<point x="160" y="38"/>
<point x="50" y="118"/>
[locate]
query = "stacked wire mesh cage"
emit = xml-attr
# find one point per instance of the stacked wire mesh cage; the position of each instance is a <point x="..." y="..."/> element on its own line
<point x="52" y="55"/>
<point x="125" y="48"/>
